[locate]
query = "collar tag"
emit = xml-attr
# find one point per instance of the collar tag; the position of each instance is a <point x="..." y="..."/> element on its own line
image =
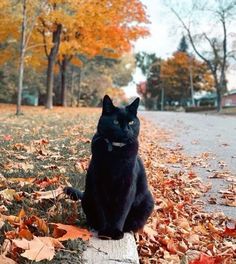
<point x="118" y="144"/>
<point x="115" y="144"/>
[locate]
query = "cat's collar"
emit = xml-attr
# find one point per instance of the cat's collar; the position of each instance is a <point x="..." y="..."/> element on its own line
<point x="118" y="144"/>
<point x="115" y="144"/>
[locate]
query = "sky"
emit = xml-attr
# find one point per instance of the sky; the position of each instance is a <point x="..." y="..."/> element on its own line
<point x="160" y="40"/>
<point x="163" y="40"/>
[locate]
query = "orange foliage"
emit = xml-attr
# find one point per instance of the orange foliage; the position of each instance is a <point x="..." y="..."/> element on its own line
<point x="175" y="75"/>
<point x="89" y="27"/>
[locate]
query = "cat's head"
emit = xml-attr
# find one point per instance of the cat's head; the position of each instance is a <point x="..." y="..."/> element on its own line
<point x="119" y="124"/>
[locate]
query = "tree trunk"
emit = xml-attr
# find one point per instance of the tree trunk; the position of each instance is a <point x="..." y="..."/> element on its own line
<point x="218" y="93"/>
<point x="79" y="86"/>
<point x="64" y="65"/>
<point x="51" y="64"/>
<point x="21" y="64"/>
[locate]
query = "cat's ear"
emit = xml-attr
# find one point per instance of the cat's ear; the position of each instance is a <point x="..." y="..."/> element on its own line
<point x="133" y="107"/>
<point x="108" y="106"/>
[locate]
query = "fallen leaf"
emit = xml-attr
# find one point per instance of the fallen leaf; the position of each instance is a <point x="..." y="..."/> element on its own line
<point x="212" y="200"/>
<point x="39" y="223"/>
<point x="26" y="166"/>
<point x="7" y="137"/>
<point x="8" y="194"/>
<point x="52" y="194"/>
<point x="45" y="182"/>
<point x="21" y="157"/>
<point x="151" y="233"/>
<point x="6" y="260"/>
<point x="39" y="248"/>
<point x="64" y="232"/>
<point x="230" y="229"/>
<point x="25" y="233"/>
<point x="183" y="223"/>
<point x="229" y="202"/>
<point x="204" y="259"/>
<point x="22" y="181"/>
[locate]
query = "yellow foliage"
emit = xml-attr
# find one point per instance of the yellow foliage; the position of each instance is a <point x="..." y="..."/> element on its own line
<point x="104" y="27"/>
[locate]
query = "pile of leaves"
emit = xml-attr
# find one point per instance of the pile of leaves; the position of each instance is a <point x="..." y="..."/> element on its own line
<point x="179" y="231"/>
<point x="40" y="153"/>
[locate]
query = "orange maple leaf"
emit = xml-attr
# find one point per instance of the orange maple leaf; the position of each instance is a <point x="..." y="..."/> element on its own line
<point x="64" y="232"/>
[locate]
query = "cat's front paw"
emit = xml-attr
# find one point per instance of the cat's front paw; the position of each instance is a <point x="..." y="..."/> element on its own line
<point x="110" y="233"/>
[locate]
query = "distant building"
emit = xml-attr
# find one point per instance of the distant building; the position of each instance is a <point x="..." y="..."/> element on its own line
<point x="229" y="99"/>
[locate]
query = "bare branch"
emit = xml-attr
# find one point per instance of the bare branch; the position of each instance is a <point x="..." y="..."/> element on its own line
<point x="191" y="39"/>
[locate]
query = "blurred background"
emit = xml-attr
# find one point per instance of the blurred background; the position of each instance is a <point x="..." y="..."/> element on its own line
<point x="175" y="55"/>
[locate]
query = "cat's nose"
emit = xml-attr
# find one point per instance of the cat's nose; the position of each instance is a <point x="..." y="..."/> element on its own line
<point x="126" y="129"/>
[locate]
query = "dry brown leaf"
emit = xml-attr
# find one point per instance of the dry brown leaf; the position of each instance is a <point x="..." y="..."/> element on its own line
<point x="39" y="248"/>
<point x="22" y="181"/>
<point x="8" y="194"/>
<point x="45" y="182"/>
<point x="229" y="202"/>
<point x="25" y="233"/>
<point x="64" y="232"/>
<point x="21" y="157"/>
<point x="6" y="260"/>
<point x="230" y="229"/>
<point x="52" y="194"/>
<point x="193" y="239"/>
<point x="151" y="233"/>
<point x="183" y="223"/>
<point x="39" y="223"/>
<point x="26" y="166"/>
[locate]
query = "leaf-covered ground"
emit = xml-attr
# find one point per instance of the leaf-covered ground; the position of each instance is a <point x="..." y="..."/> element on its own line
<point x="42" y="151"/>
<point x="179" y="231"/>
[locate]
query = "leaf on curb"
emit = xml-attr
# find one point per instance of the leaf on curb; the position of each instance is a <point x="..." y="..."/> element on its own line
<point x="64" y="232"/>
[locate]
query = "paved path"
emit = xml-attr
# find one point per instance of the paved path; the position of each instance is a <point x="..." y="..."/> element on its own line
<point x="199" y="133"/>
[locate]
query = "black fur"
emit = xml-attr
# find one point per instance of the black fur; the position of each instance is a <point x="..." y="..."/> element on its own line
<point x="116" y="197"/>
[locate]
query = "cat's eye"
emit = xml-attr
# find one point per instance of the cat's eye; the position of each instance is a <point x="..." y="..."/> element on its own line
<point x="116" y="122"/>
<point x="131" y="122"/>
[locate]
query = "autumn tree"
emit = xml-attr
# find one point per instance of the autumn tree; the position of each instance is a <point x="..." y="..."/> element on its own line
<point x="145" y="62"/>
<point x="175" y="77"/>
<point x="210" y="41"/>
<point x="105" y="27"/>
<point x="22" y="24"/>
<point x="66" y="29"/>
<point x="100" y="75"/>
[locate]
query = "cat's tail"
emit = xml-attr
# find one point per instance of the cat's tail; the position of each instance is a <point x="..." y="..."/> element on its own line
<point x="73" y="193"/>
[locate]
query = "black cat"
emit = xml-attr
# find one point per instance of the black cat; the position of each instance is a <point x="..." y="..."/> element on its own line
<point x="116" y="197"/>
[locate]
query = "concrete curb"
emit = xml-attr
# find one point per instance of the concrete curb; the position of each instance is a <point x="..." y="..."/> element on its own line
<point x="121" y="251"/>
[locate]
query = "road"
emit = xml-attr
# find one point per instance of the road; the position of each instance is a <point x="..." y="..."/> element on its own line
<point x="204" y="133"/>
